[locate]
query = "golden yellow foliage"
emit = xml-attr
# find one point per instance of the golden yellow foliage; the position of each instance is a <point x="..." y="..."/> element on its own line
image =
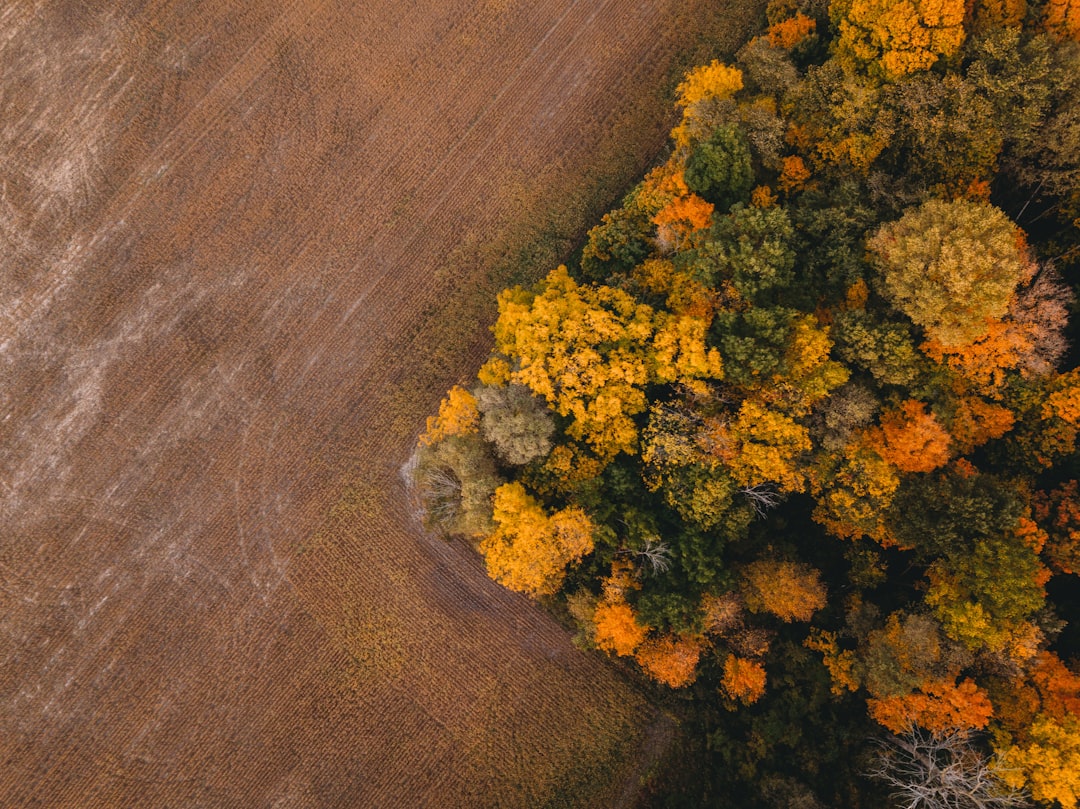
<point x="851" y="503"/>
<point x="701" y="92"/>
<point x="584" y="350"/>
<point x="457" y="416"/>
<point x="495" y="372"/>
<point x="763" y="197"/>
<point x="897" y="37"/>
<point x="770" y="444"/>
<point x="809" y="375"/>
<point x="670" y="659"/>
<point x="743" y="679"/>
<point x="790" y="591"/>
<point x="1064" y="404"/>
<point x="966" y="620"/>
<point x="1049" y="763"/>
<point x="529" y="551"/>
<point x="655" y="275"/>
<point x="711" y="82"/>
<point x="680" y="353"/>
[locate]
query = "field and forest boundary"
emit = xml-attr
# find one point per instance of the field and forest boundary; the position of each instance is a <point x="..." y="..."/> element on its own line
<point x="244" y="247"/>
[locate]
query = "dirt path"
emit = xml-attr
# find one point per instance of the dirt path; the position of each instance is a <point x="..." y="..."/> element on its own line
<point x="219" y="256"/>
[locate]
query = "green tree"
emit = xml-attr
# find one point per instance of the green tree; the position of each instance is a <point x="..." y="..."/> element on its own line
<point x="719" y="168"/>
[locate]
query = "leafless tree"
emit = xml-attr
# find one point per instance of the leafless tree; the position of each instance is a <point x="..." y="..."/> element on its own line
<point x="942" y="771"/>
<point x="440" y="495"/>
<point x="656" y="554"/>
<point x="762" y="497"/>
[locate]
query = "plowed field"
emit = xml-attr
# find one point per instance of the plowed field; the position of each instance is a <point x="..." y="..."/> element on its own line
<point x="244" y="245"/>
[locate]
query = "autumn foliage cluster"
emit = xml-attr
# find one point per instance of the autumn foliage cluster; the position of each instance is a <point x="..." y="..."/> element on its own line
<point x="797" y="431"/>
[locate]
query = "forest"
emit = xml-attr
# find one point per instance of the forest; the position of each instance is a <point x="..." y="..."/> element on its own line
<point x="793" y="437"/>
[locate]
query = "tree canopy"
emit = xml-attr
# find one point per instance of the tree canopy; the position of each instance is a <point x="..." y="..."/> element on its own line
<point x="795" y="436"/>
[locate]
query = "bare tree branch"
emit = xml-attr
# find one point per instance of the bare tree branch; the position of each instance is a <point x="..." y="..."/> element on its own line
<point x="942" y="771"/>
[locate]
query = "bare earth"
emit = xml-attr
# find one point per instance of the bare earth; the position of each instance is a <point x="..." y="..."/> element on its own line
<point x="224" y="227"/>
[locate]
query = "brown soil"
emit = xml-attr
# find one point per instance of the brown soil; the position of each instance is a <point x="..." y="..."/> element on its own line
<point x="243" y="246"/>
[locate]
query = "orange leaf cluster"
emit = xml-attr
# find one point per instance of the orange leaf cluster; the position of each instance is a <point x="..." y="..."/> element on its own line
<point x="1059" y="512"/>
<point x="1058" y="687"/>
<point x="743" y="679"/>
<point x="984" y="362"/>
<point x="670" y="659"/>
<point x="840" y="663"/>
<point x="679" y="219"/>
<point x="911" y="439"/>
<point x="1063" y="19"/>
<point x="617" y="628"/>
<point x="976" y="421"/>
<point x="788" y="33"/>
<point x="794" y="174"/>
<point x="790" y="591"/>
<point x="938" y="706"/>
<point x="1029" y="532"/>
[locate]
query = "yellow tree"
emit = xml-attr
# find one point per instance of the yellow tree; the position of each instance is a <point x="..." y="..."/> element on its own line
<point x="680" y="353"/>
<point x="458" y="415"/>
<point x="585" y="350"/>
<point x="1048" y="764"/>
<point x="530" y="550"/>
<point x="701" y="96"/>
<point x="807" y="375"/>
<point x="769" y="448"/>
<point x="852" y="499"/>
<point x="893" y="38"/>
